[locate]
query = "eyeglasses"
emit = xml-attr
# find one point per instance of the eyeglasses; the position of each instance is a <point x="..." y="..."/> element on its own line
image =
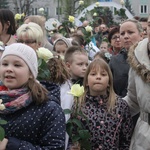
<point x="115" y="37"/>
<point x="27" y="41"/>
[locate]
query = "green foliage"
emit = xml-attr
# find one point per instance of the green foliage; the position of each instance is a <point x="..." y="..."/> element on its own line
<point x="128" y="6"/>
<point x="104" y="15"/>
<point x="121" y="13"/>
<point x="2" y="131"/>
<point x="43" y="71"/>
<point x="76" y="129"/>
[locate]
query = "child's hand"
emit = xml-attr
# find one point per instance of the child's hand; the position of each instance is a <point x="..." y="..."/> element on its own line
<point x="3" y="144"/>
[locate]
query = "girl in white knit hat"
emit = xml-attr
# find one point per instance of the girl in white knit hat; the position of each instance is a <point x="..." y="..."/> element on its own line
<point x="34" y="119"/>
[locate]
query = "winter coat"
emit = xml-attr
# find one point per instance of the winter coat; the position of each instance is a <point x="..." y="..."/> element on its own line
<point x="36" y="127"/>
<point x="120" y="68"/>
<point x="138" y="96"/>
<point x="107" y="130"/>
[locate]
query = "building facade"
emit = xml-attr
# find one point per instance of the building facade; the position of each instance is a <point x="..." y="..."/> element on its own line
<point x="52" y="8"/>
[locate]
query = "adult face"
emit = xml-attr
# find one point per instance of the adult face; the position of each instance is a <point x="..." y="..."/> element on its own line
<point x="103" y="28"/>
<point x="115" y="41"/>
<point x="144" y="26"/>
<point x="129" y="34"/>
<point x="30" y="42"/>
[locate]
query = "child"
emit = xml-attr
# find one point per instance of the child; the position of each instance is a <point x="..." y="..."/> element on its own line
<point x="110" y="122"/>
<point x="76" y="59"/>
<point x="104" y="55"/>
<point x="34" y="119"/>
<point x="61" y="45"/>
<point x="104" y="46"/>
<point x="59" y="74"/>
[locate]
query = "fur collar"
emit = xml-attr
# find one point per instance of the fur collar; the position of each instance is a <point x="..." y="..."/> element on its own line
<point x="135" y="62"/>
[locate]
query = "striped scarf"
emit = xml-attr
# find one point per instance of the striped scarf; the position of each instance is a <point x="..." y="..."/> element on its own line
<point x="14" y="100"/>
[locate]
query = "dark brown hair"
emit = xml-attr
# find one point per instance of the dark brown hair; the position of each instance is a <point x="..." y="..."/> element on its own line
<point x="7" y="16"/>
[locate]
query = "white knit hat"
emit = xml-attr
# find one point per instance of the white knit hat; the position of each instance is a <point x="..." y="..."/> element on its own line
<point x="24" y="52"/>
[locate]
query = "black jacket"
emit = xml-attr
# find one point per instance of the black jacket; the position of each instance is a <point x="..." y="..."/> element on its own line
<point x="120" y="68"/>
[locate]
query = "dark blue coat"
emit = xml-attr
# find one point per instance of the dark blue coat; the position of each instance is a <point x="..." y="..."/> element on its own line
<point x="36" y="127"/>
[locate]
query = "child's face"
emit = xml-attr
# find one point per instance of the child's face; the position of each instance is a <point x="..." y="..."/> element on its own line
<point x="104" y="47"/>
<point x="61" y="49"/>
<point x="98" y="81"/>
<point x="78" y="65"/>
<point x="14" y="72"/>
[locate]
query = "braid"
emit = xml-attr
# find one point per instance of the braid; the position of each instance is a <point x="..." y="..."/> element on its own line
<point x="58" y="70"/>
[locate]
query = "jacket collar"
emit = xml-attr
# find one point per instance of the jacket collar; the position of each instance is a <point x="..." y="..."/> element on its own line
<point x="139" y="60"/>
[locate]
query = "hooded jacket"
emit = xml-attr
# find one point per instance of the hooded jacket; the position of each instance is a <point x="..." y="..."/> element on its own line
<point x="138" y="96"/>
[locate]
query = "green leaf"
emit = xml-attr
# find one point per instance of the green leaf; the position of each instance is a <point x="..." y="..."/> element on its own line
<point x="84" y="134"/>
<point x="3" y="121"/>
<point x="67" y="111"/>
<point x="2" y="133"/>
<point x="85" y="145"/>
<point x="77" y="122"/>
<point x="75" y="138"/>
<point x="69" y="128"/>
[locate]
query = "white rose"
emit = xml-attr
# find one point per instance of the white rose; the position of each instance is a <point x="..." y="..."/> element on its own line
<point x="44" y="53"/>
<point x="2" y="106"/>
<point x="122" y="2"/>
<point x="88" y="28"/>
<point x="41" y="9"/>
<point x="95" y="14"/>
<point x="81" y="2"/>
<point x="97" y="4"/>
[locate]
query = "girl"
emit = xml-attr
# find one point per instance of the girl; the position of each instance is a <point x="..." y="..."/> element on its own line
<point x="61" y="45"/>
<point x="110" y="122"/>
<point x="34" y="119"/>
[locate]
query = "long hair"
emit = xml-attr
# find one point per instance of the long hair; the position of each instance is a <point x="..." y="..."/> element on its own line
<point x="38" y="93"/>
<point x="58" y="70"/>
<point x="95" y="65"/>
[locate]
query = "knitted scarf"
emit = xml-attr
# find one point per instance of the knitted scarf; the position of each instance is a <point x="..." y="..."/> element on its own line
<point x="14" y="100"/>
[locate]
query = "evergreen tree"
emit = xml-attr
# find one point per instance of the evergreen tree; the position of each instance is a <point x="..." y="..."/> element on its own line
<point x="128" y="6"/>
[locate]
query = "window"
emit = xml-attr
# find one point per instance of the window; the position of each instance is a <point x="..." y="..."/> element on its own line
<point x="35" y="11"/>
<point x="58" y="11"/>
<point x="143" y="9"/>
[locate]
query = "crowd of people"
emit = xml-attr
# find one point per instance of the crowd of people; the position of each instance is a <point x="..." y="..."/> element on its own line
<point x="113" y="67"/>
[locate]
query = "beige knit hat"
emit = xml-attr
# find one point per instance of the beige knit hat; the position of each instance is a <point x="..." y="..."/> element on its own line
<point x="24" y="52"/>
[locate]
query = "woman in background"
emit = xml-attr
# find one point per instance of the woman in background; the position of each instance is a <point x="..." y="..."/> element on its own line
<point x="7" y="27"/>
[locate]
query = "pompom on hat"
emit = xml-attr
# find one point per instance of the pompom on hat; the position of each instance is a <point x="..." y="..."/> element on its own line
<point x="24" y="52"/>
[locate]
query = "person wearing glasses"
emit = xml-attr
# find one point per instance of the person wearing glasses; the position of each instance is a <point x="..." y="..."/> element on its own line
<point x="131" y="32"/>
<point x="30" y="34"/>
<point x="114" y="40"/>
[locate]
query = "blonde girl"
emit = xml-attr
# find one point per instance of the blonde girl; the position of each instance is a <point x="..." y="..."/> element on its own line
<point x="110" y="122"/>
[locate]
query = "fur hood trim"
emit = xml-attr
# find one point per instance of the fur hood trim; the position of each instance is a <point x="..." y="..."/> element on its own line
<point x="140" y="69"/>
